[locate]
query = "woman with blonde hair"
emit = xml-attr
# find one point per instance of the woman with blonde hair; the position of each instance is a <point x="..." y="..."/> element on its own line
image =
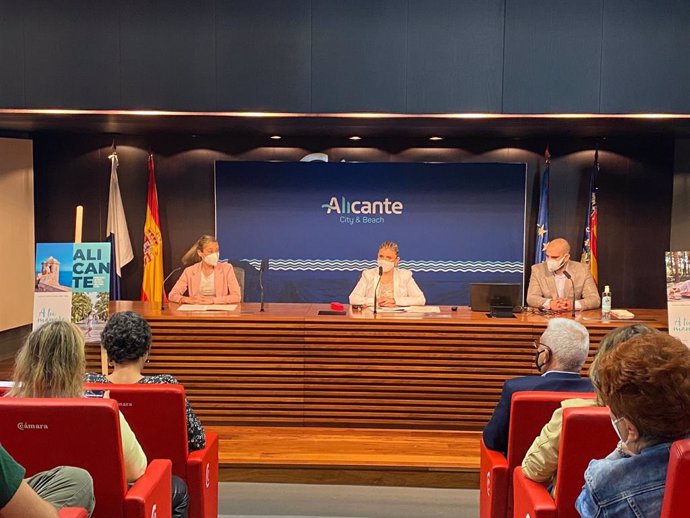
<point x="205" y="280"/>
<point x="51" y="363"/>
<point x="393" y="286"/>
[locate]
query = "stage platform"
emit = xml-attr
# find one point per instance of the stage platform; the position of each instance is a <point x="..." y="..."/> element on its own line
<point x="374" y="457"/>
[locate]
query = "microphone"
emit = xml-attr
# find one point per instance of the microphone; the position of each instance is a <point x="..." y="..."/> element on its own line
<point x="262" y="268"/>
<point x="376" y="289"/>
<point x="570" y="278"/>
<point x="163" y="285"/>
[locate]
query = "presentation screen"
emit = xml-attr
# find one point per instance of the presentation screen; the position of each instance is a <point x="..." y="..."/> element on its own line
<point x="320" y="224"/>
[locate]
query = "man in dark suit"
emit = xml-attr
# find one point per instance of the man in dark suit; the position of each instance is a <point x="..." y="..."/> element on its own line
<point x="561" y="352"/>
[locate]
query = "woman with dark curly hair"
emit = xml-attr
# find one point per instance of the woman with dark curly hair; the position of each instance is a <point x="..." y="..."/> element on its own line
<point x="127" y="340"/>
<point x="645" y="382"/>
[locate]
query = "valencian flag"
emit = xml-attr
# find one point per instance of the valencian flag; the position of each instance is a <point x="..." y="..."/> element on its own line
<point x="152" y="282"/>
<point x="543" y="216"/>
<point x="116" y="231"/>
<point x="589" y="243"/>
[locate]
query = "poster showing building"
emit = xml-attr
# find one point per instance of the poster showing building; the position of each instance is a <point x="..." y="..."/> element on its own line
<point x="73" y="283"/>
<point x="678" y="294"/>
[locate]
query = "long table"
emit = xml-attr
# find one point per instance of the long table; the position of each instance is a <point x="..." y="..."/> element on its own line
<point x="291" y="366"/>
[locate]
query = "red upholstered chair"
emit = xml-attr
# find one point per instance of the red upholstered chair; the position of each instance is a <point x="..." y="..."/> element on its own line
<point x="72" y="512"/>
<point x="677" y="493"/>
<point x="586" y="434"/>
<point x="157" y="415"/>
<point x="529" y="412"/>
<point x="44" y="433"/>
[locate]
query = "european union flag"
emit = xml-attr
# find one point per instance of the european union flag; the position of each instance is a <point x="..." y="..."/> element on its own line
<point x="543" y="217"/>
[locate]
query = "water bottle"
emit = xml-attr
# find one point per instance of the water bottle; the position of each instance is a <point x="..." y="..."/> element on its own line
<point x="606" y="303"/>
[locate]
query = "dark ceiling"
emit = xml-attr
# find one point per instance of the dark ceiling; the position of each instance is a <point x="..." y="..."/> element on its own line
<point x="337" y="125"/>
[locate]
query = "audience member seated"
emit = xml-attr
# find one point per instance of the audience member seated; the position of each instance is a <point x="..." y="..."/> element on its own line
<point x="561" y="352"/>
<point x="645" y="383"/>
<point x="40" y="495"/>
<point x="541" y="461"/>
<point x="127" y="340"/>
<point x="51" y="364"/>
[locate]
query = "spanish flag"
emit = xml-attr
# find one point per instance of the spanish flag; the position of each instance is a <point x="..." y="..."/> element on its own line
<point x="152" y="282"/>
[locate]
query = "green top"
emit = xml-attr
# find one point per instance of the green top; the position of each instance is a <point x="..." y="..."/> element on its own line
<point x="11" y="475"/>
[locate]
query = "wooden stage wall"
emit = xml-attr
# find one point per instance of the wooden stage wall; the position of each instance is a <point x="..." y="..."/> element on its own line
<point x="290" y="366"/>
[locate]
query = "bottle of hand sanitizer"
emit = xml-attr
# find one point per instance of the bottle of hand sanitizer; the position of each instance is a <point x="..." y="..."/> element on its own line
<point x="606" y="302"/>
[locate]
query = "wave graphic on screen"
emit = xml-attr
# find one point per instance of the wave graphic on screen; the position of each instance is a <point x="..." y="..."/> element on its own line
<point x="417" y="266"/>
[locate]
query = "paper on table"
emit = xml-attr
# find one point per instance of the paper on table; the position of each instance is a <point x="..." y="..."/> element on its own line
<point x="423" y="309"/>
<point x="411" y="309"/>
<point x="207" y="307"/>
<point x="622" y="314"/>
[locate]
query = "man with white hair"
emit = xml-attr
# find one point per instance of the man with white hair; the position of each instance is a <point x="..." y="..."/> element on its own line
<point x="561" y="352"/>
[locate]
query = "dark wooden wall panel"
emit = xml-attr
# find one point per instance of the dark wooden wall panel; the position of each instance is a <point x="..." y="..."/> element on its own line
<point x="72" y="55"/>
<point x="12" y="54"/>
<point x="455" y="56"/>
<point x="168" y="54"/>
<point x="552" y="56"/>
<point x="399" y="56"/>
<point x="358" y="56"/>
<point x="263" y="55"/>
<point x="646" y="66"/>
<point x="634" y="217"/>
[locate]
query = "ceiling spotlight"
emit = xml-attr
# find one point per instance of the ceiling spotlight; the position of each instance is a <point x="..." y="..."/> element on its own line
<point x="355" y="137"/>
<point x="435" y="138"/>
<point x="276" y="137"/>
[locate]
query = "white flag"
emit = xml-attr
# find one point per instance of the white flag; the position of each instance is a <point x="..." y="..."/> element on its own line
<point x="117" y="224"/>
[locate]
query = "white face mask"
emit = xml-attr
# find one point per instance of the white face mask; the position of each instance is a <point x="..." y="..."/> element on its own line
<point x="554" y="264"/>
<point x="212" y="259"/>
<point x="622" y="442"/>
<point x="386" y="265"/>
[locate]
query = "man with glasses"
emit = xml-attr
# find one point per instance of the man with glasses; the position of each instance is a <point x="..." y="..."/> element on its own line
<point x="560" y="353"/>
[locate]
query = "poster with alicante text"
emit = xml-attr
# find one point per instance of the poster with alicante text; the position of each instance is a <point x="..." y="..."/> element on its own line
<point x="678" y="294"/>
<point x="73" y="283"/>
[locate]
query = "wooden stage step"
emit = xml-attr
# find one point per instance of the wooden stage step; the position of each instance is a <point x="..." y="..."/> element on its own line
<point x="414" y="458"/>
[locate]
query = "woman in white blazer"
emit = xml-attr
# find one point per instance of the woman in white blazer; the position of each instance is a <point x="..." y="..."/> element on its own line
<point x="397" y="287"/>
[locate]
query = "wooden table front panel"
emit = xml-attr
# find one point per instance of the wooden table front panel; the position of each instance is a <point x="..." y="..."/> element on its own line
<point x="292" y="366"/>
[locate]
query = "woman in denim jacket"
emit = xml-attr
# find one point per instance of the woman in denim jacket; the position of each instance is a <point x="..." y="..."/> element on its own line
<point x="645" y="383"/>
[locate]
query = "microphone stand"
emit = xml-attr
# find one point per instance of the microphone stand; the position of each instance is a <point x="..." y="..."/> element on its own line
<point x="570" y="278"/>
<point x="163" y="286"/>
<point x="376" y="289"/>
<point x="262" y="268"/>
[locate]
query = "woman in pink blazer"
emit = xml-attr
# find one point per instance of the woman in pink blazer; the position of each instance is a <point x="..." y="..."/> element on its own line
<point x="206" y="281"/>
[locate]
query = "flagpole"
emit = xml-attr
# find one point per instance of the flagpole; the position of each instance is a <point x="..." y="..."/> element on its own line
<point x="78" y="223"/>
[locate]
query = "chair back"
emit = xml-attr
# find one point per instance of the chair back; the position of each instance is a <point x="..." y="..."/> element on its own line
<point x="44" y="433"/>
<point x="529" y="412"/>
<point x="239" y="275"/>
<point x="586" y="434"/>
<point x="158" y="417"/>
<point x="677" y="492"/>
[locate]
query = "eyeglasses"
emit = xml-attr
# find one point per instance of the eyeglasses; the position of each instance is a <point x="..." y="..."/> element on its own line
<point x="536" y="344"/>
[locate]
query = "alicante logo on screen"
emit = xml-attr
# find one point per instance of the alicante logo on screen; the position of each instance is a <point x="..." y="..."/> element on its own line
<point x="362" y="211"/>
